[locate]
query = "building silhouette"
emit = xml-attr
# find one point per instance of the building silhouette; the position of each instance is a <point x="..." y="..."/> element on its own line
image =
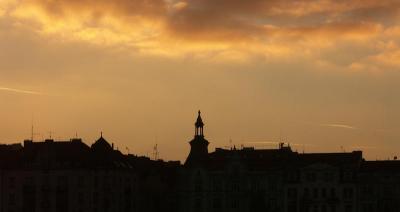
<point x="70" y="176"/>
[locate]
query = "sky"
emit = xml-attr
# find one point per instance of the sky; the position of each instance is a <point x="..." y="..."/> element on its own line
<point x="322" y="75"/>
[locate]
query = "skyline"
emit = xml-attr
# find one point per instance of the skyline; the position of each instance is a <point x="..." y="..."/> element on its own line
<point x="270" y="144"/>
<point x="320" y="73"/>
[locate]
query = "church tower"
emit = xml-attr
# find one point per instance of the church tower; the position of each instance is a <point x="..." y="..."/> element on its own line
<point x="199" y="145"/>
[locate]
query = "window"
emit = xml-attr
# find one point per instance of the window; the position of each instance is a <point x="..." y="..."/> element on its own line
<point x="81" y="181"/>
<point x="348" y="208"/>
<point x="30" y="180"/>
<point x="333" y="192"/>
<point x="347" y="176"/>
<point x="81" y="199"/>
<point x="292" y="206"/>
<point x="106" y="180"/>
<point x="367" y="190"/>
<point x="217" y="185"/>
<point x="95" y="198"/>
<point x="311" y="177"/>
<point x="96" y="181"/>
<point x="348" y="193"/>
<point x="11" y="199"/>
<point x="272" y="187"/>
<point x="45" y="199"/>
<point x="328" y="176"/>
<point x="292" y="193"/>
<point x="217" y="203"/>
<point x="62" y="181"/>
<point x="387" y="191"/>
<point x="323" y="192"/>
<point x="198" y="205"/>
<point x="198" y="185"/>
<point x="367" y="207"/>
<point x="315" y="192"/>
<point x="235" y="186"/>
<point x="306" y="192"/>
<point x="235" y="204"/>
<point x="292" y="176"/>
<point x="255" y="185"/>
<point x="11" y="182"/>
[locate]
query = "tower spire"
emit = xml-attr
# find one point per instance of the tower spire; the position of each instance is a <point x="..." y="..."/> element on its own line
<point x="199" y="125"/>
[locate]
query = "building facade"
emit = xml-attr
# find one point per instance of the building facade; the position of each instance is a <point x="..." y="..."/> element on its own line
<point x="73" y="177"/>
<point x="70" y="176"/>
<point x="282" y="180"/>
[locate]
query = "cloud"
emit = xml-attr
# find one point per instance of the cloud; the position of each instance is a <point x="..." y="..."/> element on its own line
<point x="20" y="91"/>
<point x="343" y="126"/>
<point x="98" y="9"/>
<point x="247" y="17"/>
<point x="363" y="147"/>
<point x="278" y="142"/>
<point x="219" y="30"/>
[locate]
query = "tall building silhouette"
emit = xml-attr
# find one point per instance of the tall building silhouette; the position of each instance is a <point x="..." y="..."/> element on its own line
<point x="70" y="176"/>
<point x="198" y="146"/>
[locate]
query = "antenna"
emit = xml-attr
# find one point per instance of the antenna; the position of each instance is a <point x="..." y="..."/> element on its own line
<point x="32" y="129"/>
<point x="32" y="132"/>
<point x="50" y="134"/>
<point x="155" y="152"/>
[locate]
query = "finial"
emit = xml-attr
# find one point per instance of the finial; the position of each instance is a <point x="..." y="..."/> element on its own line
<point x="101" y="134"/>
<point x="199" y="112"/>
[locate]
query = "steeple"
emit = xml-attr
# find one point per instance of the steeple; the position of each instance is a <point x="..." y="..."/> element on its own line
<point x="199" y="125"/>
<point x="198" y="146"/>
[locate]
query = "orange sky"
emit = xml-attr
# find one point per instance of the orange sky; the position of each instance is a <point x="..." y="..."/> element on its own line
<point x="320" y="74"/>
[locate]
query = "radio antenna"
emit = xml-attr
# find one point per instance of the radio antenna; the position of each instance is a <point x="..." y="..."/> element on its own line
<point x="32" y="128"/>
<point x="155" y="152"/>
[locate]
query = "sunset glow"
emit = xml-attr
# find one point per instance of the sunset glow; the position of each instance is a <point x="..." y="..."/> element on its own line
<point x="324" y="73"/>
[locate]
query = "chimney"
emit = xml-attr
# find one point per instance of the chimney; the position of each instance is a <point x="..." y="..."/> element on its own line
<point x="27" y="142"/>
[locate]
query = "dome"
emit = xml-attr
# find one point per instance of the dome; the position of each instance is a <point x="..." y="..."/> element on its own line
<point x="101" y="145"/>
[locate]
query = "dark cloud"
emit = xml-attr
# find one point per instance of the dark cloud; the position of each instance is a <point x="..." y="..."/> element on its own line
<point x="233" y="18"/>
<point x="216" y="27"/>
<point x="225" y="19"/>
